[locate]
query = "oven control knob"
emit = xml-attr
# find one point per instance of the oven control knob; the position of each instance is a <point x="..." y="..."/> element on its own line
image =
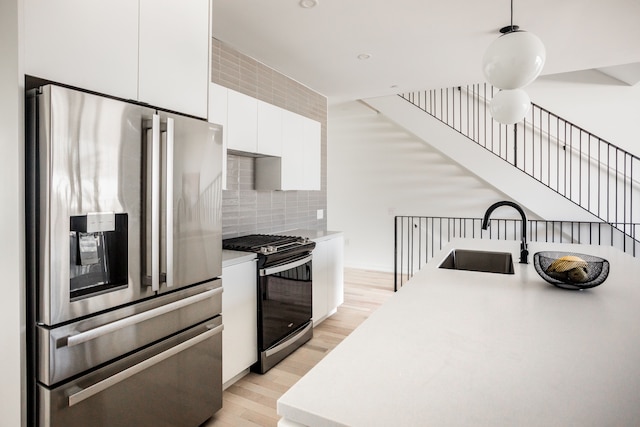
<point x="268" y="249"/>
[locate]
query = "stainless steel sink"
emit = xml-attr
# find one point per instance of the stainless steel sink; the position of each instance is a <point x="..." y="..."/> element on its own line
<point x="484" y="261"/>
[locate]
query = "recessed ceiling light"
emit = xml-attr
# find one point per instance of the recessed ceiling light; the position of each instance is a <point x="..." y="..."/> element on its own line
<point x="364" y="56"/>
<point x="308" y="4"/>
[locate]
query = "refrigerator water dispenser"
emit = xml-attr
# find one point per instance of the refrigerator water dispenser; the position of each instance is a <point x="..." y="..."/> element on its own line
<point x="98" y="245"/>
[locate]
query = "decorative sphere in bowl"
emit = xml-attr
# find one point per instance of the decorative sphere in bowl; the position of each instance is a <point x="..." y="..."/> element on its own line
<point x="571" y="270"/>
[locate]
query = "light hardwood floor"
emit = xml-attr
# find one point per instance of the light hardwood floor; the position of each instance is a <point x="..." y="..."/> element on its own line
<point x="252" y="400"/>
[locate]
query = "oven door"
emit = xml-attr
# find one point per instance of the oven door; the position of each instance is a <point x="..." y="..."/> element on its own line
<point x="284" y="300"/>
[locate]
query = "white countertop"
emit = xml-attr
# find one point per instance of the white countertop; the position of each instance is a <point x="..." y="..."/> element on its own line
<point x="460" y="348"/>
<point x="315" y="235"/>
<point x="230" y="258"/>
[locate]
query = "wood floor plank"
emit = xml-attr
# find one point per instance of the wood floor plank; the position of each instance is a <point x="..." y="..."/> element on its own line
<point x="251" y="401"/>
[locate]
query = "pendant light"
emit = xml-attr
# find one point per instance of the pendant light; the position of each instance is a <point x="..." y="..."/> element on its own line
<point x="511" y="62"/>
<point x="509" y="106"/>
<point x="514" y="59"/>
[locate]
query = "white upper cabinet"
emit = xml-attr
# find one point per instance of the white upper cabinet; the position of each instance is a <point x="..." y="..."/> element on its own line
<point x="242" y="119"/>
<point x="254" y="126"/>
<point x="174" y="55"/>
<point x="269" y="129"/>
<point x="298" y="168"/>
<point x="313" y="154"/>
<point x="287" y="146"/>
<point x="293" y="152"/>
<point x="153" y="51"/>
<point x="91" y="44"/>
<point x="301" y="145"/>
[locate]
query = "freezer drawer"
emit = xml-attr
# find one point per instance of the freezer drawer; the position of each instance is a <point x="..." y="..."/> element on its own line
<point x="177" y="382"/>
<point x="77" y="347"/>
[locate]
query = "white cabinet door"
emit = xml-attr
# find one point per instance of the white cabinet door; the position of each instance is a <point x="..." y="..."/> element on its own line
<point x="242" y="119"/>
<point x="292" y="151"/>
<point x="269" y="129"/>
<point x="335" y="294"/>
<point x="91" y="44"/>
<point x="320" y="291"/>
<point x="328" y="277"/>
<point x="312" y="154"/>
<point x="240" y="319"/>
<point x="174" y="55"/>
<point x="218" y="114"/>
<point x="299" y="167"/>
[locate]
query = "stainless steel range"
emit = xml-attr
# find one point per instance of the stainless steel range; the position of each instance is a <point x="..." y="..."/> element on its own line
<point x="285" y="282"/>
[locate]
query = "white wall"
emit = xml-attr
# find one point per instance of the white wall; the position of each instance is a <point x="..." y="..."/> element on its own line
<point x="376" y="170"/>
<point x="594" y="101"/>
<point x="11" y="217"/>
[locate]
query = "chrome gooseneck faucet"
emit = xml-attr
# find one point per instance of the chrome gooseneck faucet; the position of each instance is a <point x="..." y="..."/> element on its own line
<point x="524" y="252"/>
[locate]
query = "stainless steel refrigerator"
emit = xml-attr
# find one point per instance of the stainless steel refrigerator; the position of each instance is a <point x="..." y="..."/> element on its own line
<point x="124" y="263"/>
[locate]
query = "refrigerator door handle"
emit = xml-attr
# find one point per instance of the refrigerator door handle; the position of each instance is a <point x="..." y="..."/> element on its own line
<point x="155" y="204"/>
<point x="98" y="387"/>
<point x="169" y="205"/>
<point x="108" y="328"/>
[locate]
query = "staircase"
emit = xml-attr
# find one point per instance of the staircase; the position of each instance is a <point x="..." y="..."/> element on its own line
<point x="590" y="179"/>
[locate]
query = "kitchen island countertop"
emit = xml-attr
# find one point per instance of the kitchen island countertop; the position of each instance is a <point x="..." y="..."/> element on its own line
<point x="459" y="348"/>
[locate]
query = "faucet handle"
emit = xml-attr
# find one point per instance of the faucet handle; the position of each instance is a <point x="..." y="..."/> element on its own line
<point x="524" y="253"/>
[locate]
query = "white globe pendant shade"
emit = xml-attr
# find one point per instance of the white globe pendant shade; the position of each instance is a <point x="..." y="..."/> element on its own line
<point x="509" y="106"/>
<point x="513" y="60"/>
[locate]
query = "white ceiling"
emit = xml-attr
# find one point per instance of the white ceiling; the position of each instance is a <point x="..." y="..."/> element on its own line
<point x="422" y="44"/>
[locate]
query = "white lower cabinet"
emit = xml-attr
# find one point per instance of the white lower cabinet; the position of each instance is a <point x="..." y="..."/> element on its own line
<point x="239" y="316"/>
<point x="328" y="277"/>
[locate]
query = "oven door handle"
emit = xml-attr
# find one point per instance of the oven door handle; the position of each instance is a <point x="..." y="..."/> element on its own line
<point x="290" y="340"/>
<point x="108" y="328"/>
<point x="96" y="388"/>
<point x="284" y="267"/>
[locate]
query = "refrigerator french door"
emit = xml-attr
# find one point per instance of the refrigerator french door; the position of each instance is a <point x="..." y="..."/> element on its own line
<point x="124" y="255"/>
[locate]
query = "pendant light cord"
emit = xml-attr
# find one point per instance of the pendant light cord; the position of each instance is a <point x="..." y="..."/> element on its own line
<point x="511" y="15"/>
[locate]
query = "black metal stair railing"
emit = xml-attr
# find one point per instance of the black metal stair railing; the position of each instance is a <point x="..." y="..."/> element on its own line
<point x="418" y="238"/>
<point x="591" y="172"/>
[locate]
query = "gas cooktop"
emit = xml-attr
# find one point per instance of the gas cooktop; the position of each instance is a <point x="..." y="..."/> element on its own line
<point x="266" y="244"/>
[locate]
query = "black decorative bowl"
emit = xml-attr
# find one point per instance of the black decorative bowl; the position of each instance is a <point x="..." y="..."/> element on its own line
<point x="569" y="270"/>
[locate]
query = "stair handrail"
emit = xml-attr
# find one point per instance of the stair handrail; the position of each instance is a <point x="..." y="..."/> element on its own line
<point x="479" y="123"/>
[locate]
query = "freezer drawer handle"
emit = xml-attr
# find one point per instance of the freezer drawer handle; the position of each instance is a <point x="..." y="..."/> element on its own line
<point x="132" y="320"/>
<point x="96" y="388"/>
<point x="285" y="267"/>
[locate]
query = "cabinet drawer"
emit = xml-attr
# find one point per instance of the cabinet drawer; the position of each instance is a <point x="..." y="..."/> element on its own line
<point x="140" y="390"/>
